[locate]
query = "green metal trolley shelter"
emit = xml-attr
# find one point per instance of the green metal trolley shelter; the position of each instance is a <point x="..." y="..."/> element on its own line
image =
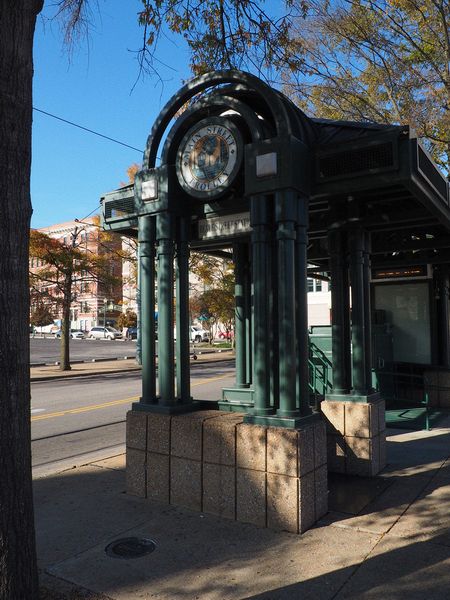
<point x="233" y="168"/>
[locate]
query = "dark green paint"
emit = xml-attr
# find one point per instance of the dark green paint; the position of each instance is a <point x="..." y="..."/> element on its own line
<point x="321" y="205"/>
<point x="147" y="307"/>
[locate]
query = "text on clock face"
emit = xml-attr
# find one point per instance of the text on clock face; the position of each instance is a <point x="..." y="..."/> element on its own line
<point x="208" y="157"/>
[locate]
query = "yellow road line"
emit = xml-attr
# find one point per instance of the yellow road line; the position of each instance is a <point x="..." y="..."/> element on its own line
<point x="70" y="411"/>
<point x="73" y="411"/>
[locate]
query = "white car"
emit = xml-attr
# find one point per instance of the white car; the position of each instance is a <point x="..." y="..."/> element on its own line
<point x="74" y="334"/>
<point x="104" y="333"/>
<point x="197" y="334"/>
<point x="53" y="328"/>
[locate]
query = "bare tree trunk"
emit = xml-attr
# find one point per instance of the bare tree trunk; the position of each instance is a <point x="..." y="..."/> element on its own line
<point x="18" y="571"/>
<point x="64" y="364"/>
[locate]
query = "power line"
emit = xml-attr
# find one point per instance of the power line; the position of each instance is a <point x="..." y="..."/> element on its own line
<point x="92" y="211"/>
<point x="86" y="129"/>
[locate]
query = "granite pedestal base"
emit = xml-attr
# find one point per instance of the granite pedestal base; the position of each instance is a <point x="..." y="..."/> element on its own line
<point x="356" y="436"/>
<point x="211" y="461"/>
<point x="437" y="385"/>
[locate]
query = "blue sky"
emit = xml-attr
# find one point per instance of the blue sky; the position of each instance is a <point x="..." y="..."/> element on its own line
<point x="71" y="168"/>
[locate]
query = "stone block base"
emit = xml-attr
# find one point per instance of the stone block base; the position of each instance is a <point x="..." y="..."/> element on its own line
<point x="210" y="461"/>
<point x="437" y="384"/>
<point x="356" y="436"/>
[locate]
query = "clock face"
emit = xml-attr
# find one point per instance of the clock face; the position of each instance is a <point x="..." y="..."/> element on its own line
<point x="208" y="157"/>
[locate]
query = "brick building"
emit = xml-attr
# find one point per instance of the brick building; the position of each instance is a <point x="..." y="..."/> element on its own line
<point x="93" y="302"/>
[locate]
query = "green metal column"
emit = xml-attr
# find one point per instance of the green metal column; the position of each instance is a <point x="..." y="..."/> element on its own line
<point x="259" y="215"/>
<point x="367" y="311"/>
<point x="146" y="239"/>
<point x="356" y="241"/>
<point x="182" y="313"/>
<point x="340" y="350"/>
<point x="248" y="302"/>
<point x="240" y="328"/>
<point x="138" y="307"/>
<point x="165" y="255"/>
<point x="285" y="216"/>
<point x="346" y="334"/>
<point x="273" y="333"/>
<point x="302" y="307"/>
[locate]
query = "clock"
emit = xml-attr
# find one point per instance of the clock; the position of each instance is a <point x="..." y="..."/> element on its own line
<point x="209" y="157"/>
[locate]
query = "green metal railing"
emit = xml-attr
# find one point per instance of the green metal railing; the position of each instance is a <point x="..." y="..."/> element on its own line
<point x="409" y="395"/>
<point x="320" y="373"/>
<point x="409" y="404"/>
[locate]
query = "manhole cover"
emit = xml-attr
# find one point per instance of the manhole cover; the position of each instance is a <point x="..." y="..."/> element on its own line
<point x="131" y="547"/>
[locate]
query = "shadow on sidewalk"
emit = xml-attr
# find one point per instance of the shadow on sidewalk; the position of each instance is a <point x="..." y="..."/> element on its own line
<point x="396" y="546"/>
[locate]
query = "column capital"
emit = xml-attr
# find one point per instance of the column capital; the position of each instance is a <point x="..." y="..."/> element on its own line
<point x="259" y="210"/>
<point x="146" y="229"/>
<point x="286" y="231"/>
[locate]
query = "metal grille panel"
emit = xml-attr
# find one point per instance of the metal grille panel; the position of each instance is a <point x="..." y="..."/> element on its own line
<point x="356" y="161"/>
<point x="119" y="208"/>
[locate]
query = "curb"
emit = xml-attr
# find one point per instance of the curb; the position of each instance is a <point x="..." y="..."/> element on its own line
<point x="112" y="359"/>
<point x="92" y="373"/>
<point x="87" y="374"/>
<point x="82" y="362"/>
<point x="67" y="464"/>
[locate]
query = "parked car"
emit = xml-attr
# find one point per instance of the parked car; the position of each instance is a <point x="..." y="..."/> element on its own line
<point x="197" y="334"/>
<point x="104" y="333"/>
<point x="132" y="333"/>
<point x="53" y="328"/>
<point x="225" y="335"/>
<point x="74" y="333"/>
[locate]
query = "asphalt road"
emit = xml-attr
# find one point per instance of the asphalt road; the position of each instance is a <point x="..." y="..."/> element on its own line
<point x="47" y="350"/>
<point x="74" y="417"/>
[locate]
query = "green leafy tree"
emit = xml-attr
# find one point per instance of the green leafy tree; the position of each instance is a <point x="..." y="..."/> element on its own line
<point x="207" y="268"/>
<point x="219" y="34"/>
<point x="378" y="60"/>
<point x="247" y="37"/>
<point x="215" y="304"/>
<point x="127" y="319"/>
<point x="66" y="269"/>
<point x="259" y="37"/>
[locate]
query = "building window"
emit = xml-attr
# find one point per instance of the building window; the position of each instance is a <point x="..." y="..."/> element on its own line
<point x="314" y="285"/>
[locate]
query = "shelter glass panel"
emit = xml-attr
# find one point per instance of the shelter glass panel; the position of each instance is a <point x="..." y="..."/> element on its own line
<point x="407" y="310"/>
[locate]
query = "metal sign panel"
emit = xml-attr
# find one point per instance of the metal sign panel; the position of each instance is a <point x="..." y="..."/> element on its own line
<point x="227" y="226"/>
<point x="402" y="273"/>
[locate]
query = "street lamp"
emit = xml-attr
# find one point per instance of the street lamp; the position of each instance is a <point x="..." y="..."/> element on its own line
<point x="105" y="304"/>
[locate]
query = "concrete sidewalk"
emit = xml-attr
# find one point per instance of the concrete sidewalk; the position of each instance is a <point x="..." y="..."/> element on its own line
<point x="52" y="371"/>
<point x="384" y="538"/>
